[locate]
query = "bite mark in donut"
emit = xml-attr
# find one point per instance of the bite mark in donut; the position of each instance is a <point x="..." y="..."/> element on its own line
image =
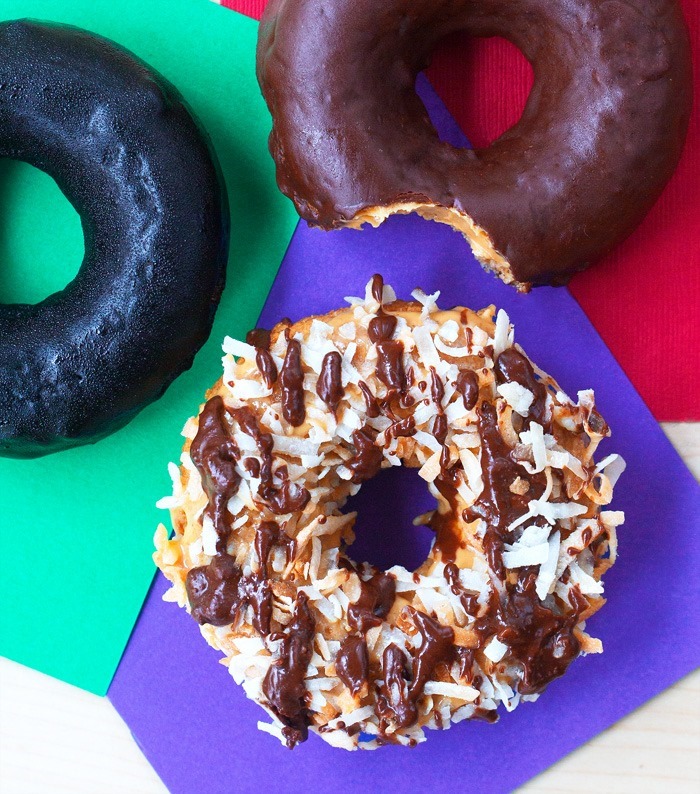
<point x="362" y="656"/>
<point x="129" y="156"/>
<point x="600" y="135"/>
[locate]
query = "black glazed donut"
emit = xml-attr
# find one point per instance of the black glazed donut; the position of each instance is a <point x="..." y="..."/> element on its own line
<point x="125" y="150"/>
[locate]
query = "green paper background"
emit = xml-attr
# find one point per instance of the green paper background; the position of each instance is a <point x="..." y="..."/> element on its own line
<point x="76" y="528"/>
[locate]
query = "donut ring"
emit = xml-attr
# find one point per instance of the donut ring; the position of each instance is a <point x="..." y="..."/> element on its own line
<point x="296" y="424"/>
<point x="600" y="135"/>
<point x="125" y="150"/>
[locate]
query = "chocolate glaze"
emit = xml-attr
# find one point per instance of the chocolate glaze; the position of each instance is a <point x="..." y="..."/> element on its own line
<point x="284" y="682"/>
<point x="542" y="639"/>
<point x="447" y="533"/>
<point x="268" y="535"/>
<point x="292" y="378"/>
<point x="440" y="429"/>
<point x="288" y="498"/>
<point x="129" y="156"/>
<point x="280" y="499"/>
<point x="470" y="601"/>
<point x="513" y="367"/>
<point x="437" y="389"/>
<point x="214" y="454"/>
<point x="217" y="593"/>
<point x="368" y="457"/>
<point x="376" y="599"/>
<point x="266" y="365"/>
<point x="435" y="648"/>
<point x="393" y="702"/>
<point x="352" y="663"/>
<point x="258" y="337"/>
<point x="381" y="327"/>
<point x="402" y="427"/>
<point x="397" y="697"/>
<point x="467" y="385"/>
<point x="600" y="135"/>
<point x="371" y="406"/>
<point x="330" y="387"/>
<point x="497" y="504"/>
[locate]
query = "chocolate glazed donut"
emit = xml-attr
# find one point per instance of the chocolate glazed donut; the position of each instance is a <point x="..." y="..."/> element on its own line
<point x="600" y="135"/>
<point x="128" y="155"/>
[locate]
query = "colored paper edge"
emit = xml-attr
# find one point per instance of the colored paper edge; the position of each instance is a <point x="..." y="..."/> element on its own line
<point x="68" y="609"/>
<point x="170" y="686"/>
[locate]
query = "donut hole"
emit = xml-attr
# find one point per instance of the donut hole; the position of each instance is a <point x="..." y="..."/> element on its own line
<point x="41" y="236"/>
<point x="384" y="530"/>
<point x="492" y="72"/>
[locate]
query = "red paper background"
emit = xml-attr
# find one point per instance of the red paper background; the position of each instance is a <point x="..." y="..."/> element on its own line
<point x="643" y="298"/>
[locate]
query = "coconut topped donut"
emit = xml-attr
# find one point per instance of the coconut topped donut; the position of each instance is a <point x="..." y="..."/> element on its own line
<point x="306" y="413"/>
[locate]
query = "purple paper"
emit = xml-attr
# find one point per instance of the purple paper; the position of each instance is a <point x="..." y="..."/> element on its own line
<point x="196" y="726"/>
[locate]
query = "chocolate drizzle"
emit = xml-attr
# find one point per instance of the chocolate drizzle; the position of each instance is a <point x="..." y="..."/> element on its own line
<point x="288" y="498"/>
<point x="267" y="366"/>
<point x="352" y="663"/>
<point x="371" y="405"/>
<point x="439" y="430"/>
<point x="329" y="387"/>
<point x="497" y="504"/>
<point x="381" y="327"/>
<point x="292" y="378"/>
<point x="397" y="697"/>
<point x="285" y="498"/>
<point x="445" y="524"/>
<point x="390" y="368"/>
<point x="368" y="457"/>
<point x="214" y="454"/>
<point x="390" y="364"/>
<point x="377" y="288"/>
<point x="437" y="389"/>
<point x="268" y="535"/>
<point x="393" y="701"/>
<point x="401" y="427"/>
<point x="469" y="601"/>
<point x="376" y="599"/>
<point x="284" y="682"/>
<point x="258" y="337"/>
<point x="435" y="648"/>
<point x="541" y="639"/>
<point x="467" y="385"/>
<point x="513" y="367"/>
<point x="217" y="593"/>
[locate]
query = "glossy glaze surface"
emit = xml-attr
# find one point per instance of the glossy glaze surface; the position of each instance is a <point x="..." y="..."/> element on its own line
<point x="127" y="153"/>
<point x="600" y="135"/>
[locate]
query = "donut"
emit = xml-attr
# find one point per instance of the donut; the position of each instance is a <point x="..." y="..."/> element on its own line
<point x="600" y="135"/>
<point x="139" y="170"/>
<point x="306" y="413"/>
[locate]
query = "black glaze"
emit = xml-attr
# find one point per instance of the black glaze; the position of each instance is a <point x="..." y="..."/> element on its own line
<point x="126" y="152"/>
